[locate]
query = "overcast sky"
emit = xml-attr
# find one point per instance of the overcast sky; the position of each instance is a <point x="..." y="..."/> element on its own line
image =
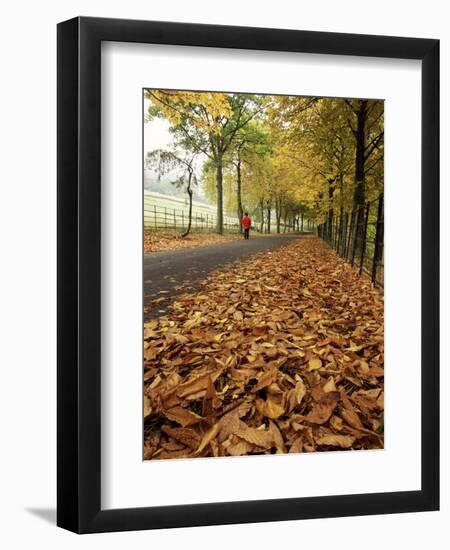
<point x="157" y="136"/>
<point x="156" y="133"/>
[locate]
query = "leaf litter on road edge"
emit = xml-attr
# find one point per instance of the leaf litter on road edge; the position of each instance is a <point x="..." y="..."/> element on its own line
<point x="281" y="352"/>
<point x="157" y="241"/>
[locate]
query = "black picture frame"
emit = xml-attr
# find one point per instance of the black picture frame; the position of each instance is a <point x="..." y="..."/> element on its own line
<point x="79" y="281"/>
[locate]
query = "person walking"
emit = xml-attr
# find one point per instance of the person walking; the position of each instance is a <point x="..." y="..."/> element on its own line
<point x="246" y="224"/>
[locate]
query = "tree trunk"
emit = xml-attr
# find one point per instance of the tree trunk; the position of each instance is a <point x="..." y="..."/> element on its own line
<point x="278" y="214"/>
<point x="340" y="230"/>
<point x="240" y="210"/>
<point x="340" y="248"/>
<point x="301" y="218"/>
<point x="268" y="217"/>
<point x="190" y="193"/>
<point x="359" y="192"/>
<point x="261" y="227"/>
<point x="219" y="188"/>
<point x="330" y="210"/>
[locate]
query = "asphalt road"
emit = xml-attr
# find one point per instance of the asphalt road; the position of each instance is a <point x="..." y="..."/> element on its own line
<point x="173" y="272"/>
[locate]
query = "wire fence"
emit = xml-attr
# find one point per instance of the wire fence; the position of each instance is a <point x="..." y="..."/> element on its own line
<point x="358" y="237"/>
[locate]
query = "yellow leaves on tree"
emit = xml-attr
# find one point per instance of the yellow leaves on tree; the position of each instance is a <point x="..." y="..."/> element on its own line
<point x="206" y="110"/>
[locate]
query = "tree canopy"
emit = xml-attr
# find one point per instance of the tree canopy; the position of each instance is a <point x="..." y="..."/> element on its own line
<point x="282" y="158"/>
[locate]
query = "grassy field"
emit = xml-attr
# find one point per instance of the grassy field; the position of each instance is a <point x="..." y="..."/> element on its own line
<point x="163" y="212"/>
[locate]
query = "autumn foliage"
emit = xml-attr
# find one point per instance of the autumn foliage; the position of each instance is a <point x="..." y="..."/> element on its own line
<point x="281" y="353"/>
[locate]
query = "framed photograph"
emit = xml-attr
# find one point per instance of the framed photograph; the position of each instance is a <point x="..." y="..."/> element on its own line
<point x="248" y="260"/>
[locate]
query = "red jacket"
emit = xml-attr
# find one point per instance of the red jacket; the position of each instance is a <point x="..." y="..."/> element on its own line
<point x="246" y="222"/>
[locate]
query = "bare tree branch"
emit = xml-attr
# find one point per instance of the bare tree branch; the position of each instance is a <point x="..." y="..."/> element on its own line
<point x="373" y="144"/>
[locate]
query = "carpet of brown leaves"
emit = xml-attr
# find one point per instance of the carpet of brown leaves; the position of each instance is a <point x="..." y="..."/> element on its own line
<point x="280" y="353"/>
<point x="158" y="241"/>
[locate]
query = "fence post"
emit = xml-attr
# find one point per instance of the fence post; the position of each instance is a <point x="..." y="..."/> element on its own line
<point x="363" y="244"/>
<point x="378" y="239"/>
<point x="350" y="234"/>
<point x="336" y="233"/>
<point x="344" y="236"/>
<point x="355" y="232"/>
<point x="341" y="231"/>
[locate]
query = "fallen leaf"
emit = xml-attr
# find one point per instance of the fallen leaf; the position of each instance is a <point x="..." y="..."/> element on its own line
<point x="147" y="407"/>
<point x="187" y="436"/>
<point x="260" y="438"/>
<point x="266" y="378"/>
<point x="321" y="412"/>
<point x="334" y="440"/>
<point x="208" y="437"/>
<point x="182" y="416"/>
<point x="296" y="395"/>
<point x="314" y="363"/>
<point x="270" y="408"/>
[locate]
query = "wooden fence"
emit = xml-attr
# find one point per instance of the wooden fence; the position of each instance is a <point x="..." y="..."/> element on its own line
<point x="159" y="218"/>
